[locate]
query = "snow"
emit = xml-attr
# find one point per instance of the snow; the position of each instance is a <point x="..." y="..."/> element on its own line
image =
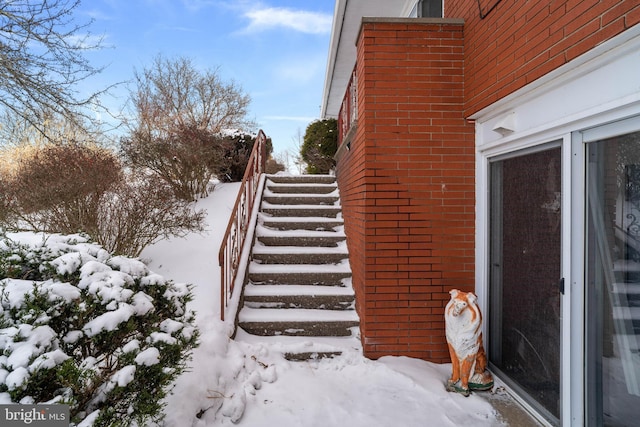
<point x="244" y="381"/>
<point x="72" y="337"/>
<point x="132" y="345"/>
<point x="247" y="382"/>
<point x="26" y="342"/>
<point x="69" y="262"/>
<point x="110" y="320"/>
<point x="123" y="376"/>
<point x="170" y="326"/>
<point x="267" y="205"/>
<point x="267" y="232"/>
<point x="132" y="267"/>
<point x="269" y="193"/>
<point x="62" y="290"/>
<point x="342" y="267"/>
<point x="273" y="290"/>
<point x="90" y="419"/>
<point x="341" y="248"/>
<point x="264" y="217"/>
<point x="148" y="357"/>
<point x="48" y="360"/>
<point x="142" y="304"/>
<point x="17" y="377"/>
<point x="299" y="315"/>
<point x="156" y="337"/>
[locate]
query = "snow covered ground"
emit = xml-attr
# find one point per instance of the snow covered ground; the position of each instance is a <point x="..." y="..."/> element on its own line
<point x="249" y="384"/>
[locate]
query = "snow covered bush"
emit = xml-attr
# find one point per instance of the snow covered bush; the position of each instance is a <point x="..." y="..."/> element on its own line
<point x="82" y="327"/>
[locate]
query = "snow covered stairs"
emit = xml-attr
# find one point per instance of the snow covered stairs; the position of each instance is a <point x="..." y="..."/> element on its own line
<point x="298" y="296"/>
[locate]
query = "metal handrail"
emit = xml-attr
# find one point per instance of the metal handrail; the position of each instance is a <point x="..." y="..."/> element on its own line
<point x="234" y="238"/>
<point x="349" y="109"/>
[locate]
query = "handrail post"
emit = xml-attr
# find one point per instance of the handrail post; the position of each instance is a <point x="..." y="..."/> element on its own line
<point x="234" y="238"/>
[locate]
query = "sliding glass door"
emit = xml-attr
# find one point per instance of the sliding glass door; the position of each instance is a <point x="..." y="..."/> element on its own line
<point x="525" y="275"/>
<point x="612" y="314"/>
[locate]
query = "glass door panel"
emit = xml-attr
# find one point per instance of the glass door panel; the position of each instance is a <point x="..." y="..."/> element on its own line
<point x="524" y="293"/>
<point x="613" y="281"/>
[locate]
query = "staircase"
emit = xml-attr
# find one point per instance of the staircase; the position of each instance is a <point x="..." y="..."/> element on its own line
<point x="298" y="296"/>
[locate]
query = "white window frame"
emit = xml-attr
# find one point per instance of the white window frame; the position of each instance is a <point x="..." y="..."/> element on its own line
<point x="579" y="141"/>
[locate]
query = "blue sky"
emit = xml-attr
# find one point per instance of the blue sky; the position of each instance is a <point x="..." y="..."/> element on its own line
<point x="276" y="50"/>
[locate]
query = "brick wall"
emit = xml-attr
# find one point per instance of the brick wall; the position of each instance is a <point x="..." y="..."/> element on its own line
<point x="520" y="41"/>
<point x="407" y="185"/>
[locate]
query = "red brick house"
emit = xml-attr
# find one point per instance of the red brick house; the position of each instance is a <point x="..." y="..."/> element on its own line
<point x="494" y="146"/>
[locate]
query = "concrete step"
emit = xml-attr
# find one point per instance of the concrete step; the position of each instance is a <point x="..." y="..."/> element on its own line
<point x="301" y="223"/>
<point x="301" y="188"/>
<point x="299" y="274"/>
<point x="282" y="254"/>
<point x="302" y="241"/>
<point x="299" y="296"/>
<point x="299" y="238"/>
<point x="304" y="348"/>
<point x="301" y="199"/>
<point x="300" y="301"/>
<point x="298" y="322"/>
<point x="302" y="179"/>
<point x="299" y="278"/>
<point x="300" y="210"/>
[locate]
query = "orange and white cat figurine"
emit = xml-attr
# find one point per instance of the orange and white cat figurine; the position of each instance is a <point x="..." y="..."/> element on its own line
<point x="463" y="323"/>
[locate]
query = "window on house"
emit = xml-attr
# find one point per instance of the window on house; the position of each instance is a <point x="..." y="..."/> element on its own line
<point x="427" y="9"/>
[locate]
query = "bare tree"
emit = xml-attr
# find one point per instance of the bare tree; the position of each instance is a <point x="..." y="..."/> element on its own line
<point x="180" y="114"/>
<point x="185" y="159"/>
<point x="57" y="188"/>
<point x="172" y="94"/>
<point x="294" y="155"/>
<point x="20" y="140"/>
<point x="69" y="188"/>
<point x="41" y="59"/>
<point x="139" y="211"/>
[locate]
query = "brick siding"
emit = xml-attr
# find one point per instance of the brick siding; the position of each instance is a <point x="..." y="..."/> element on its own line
<point x="407" y="182"/>
<point x="407" y="186"/>
<point x="520" y="41"/>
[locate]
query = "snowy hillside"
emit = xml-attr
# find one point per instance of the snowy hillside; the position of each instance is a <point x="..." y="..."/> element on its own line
<point x="248" y="383"/>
